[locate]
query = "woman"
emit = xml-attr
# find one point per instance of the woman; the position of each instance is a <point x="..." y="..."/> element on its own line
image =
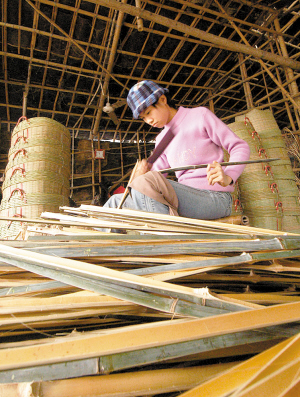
<point x="199" y="138"/>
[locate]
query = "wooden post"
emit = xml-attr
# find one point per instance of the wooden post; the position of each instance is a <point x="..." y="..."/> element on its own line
<point x="93" y="168"/>
<point x="99" y="164"/>
<point x="121" y="154"/>
<point x="145" y="147"/>
<point x="211" y="102"/>
<point x="246" y="84"/>
<point x="293" y="87"/>
<point x="138" y="145"/>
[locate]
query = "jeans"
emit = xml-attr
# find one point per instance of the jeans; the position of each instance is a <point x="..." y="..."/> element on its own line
<point x="202" y="204"/>
<point x="193" y="203"/>
<point x="137" y="201"/>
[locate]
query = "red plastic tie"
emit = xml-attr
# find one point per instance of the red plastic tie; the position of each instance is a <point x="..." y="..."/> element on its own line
<point x="18" y="169"/>
<point x="21" y="118"/>
<point x="274" y="186"/>
<point x="18" y="151"/>
<point x="262" y="150"/>
<point x="267" y="169"/>
<point x="236" y="203"/>
<point x="278" y="205"/>
<point x="21" y="191"/>
<point x="20" y="137"/>
<point x="16" y="216"/>
<point x="247" y="120"/>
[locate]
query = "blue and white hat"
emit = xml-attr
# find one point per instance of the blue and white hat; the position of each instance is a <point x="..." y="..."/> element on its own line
<point x="142" y="95"/>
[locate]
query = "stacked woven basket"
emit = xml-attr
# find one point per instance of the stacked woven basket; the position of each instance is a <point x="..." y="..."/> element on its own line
<point x="38" y="171"/>
<point x="268" y="191"/>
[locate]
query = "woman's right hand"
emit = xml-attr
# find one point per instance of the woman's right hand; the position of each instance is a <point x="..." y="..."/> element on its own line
<point x="142" y="167"/>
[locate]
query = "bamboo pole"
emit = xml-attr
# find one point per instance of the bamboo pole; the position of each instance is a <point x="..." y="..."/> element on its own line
<point x="126" y="192"/>
<point x="246" y="84"/>
<point x="290" y="74"/>
<point x="93" y="169"/>
<point x="112" y="55"/>
<point x="225" y="43"/>
<point x="73" y="41"/>
<point x="259" y="60"/>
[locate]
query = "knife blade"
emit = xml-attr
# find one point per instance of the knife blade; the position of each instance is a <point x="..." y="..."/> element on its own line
<point x="194" y="167"/>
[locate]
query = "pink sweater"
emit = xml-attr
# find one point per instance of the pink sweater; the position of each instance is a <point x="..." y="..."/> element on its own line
<point x="199" y="137"/>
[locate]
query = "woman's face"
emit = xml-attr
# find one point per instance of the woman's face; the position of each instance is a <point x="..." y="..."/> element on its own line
<point x="159" y="115"/>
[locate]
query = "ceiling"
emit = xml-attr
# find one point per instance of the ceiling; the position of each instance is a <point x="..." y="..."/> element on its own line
<point x="65" y="59"/>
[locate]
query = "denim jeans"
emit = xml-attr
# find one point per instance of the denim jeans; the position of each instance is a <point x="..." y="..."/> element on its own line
<point x="193" y="203"/>
<point x="202" y="204"/>
<point x="137" y="201"/>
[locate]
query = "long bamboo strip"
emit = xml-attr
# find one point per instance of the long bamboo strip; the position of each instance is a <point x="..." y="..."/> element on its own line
<point x="293" y="389"/>
<point x="54" y="316"/>
<point x="229" y="381"/>
<point x="266" y="381"/>
<point x="122" y="285"/>
<point x="168" y="332"/>
<point x="168" y="219"/>
<point x="122" y="385"/>
<point x="264" y="298"/>
<point x="90" y="250"/>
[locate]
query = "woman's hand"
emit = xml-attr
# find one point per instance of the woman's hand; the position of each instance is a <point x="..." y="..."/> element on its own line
<point x="215" y="174"/>
<point x="142" y="167"/>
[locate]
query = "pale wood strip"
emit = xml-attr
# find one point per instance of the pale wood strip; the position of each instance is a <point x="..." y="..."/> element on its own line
<point x="150" y="335"/>
<point x="128" y="384"/>
<point x="84" y="298"/>
<point x="229" y="381"/>
<point x="275" y="383"/>
<point x="293" y="390"/>
<point x="180" y="220"/>
<point x="90" y="269"/>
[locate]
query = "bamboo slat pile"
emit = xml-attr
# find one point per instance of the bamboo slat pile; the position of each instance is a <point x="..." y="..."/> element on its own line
<point x="172" y="307"/>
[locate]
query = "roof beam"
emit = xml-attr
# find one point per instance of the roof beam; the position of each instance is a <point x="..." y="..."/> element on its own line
<point x="225" y="43"/>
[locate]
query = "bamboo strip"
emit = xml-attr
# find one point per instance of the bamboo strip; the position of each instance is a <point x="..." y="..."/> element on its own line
<point x="165" y="333"/>
<point x="132" y="384"/>
<point x="229" y="381"/>
<point x="169" y="220"/>
<point x="97" y="273"/>
<point x="121" y="385"/>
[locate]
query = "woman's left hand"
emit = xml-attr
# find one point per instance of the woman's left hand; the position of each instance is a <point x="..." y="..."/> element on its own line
<point x="215" y="174"/>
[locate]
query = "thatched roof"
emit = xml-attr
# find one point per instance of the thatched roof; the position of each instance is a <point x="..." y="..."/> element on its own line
<point x="66" y="59"/>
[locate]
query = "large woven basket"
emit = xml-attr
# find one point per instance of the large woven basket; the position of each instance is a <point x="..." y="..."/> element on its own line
<point x="37" y="173"/>
<point x="269" y="194"/>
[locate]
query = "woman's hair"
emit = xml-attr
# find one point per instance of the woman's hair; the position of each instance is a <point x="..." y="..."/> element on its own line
<point x="170" y="101"/>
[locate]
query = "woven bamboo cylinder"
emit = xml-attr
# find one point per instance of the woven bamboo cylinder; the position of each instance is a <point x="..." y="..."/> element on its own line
<point x="37" y="173"/>
<point x="236" y="208"/>
<point x="270" y="143"/>
<point x="258" y="190"/>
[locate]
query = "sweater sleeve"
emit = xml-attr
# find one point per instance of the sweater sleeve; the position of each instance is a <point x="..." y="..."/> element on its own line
<point x="162" y="162"/>
<point x="223" y="136"/>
